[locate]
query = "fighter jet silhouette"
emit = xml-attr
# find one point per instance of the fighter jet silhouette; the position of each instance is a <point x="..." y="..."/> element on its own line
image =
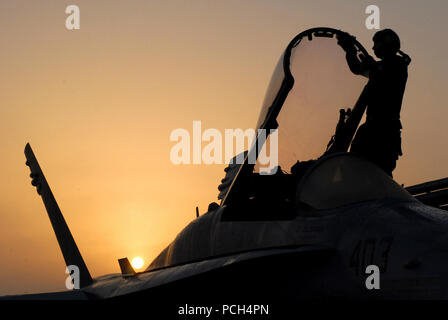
<point x="310" y="231"/>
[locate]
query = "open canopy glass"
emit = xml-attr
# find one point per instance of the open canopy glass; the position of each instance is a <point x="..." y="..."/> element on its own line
<point x="310" y="84"/>
<point x="321" y="83"/>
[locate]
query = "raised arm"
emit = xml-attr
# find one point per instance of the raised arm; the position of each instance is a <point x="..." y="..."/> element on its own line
<point x="358" y="65"/>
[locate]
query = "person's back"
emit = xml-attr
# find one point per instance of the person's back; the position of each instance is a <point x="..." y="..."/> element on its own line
<point x="387" y="82"/>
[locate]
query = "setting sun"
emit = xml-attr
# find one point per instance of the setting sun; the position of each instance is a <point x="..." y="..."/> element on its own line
<point x="137" y="263"/>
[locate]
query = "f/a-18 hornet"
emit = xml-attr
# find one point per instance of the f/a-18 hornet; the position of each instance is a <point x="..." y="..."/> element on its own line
<point x="311" y="229"/>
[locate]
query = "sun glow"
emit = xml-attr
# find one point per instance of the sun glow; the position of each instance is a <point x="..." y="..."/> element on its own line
<point x="137" y="263"/>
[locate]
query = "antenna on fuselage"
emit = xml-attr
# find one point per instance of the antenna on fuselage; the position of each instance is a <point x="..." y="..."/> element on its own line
<point x="126" y="268"/>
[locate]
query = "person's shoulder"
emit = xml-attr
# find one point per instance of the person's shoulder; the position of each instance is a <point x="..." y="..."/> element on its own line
<point x="401" y="62"/>
<point x="398" y="64"/>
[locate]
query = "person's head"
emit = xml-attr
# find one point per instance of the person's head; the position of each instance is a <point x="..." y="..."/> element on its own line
<point x="386" y="43"/>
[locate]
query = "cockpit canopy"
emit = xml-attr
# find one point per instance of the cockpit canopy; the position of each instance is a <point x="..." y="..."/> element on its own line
<point x="321" y="84"/>
<point x="310" y="84"/>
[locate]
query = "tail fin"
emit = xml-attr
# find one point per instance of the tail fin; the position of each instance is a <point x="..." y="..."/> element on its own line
<point x="72" y="256"/>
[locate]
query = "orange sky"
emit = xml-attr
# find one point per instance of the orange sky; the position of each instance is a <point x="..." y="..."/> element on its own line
<point x="98" y="106"/>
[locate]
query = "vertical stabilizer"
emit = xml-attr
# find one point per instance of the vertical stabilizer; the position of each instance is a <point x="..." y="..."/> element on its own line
<point x="68" y="246"/>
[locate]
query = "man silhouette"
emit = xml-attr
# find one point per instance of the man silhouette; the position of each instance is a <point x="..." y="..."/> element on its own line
<point x="379" y="138"/>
